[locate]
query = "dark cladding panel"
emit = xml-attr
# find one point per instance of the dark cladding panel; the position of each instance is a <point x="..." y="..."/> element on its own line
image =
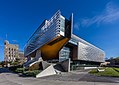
<point x="68" y="27"/>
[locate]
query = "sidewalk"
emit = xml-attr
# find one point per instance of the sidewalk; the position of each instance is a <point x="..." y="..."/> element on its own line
<point x="8" y="78"/>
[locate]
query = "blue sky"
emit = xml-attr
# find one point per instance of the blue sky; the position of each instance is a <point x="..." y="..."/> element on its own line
<point x="96" y="21"/>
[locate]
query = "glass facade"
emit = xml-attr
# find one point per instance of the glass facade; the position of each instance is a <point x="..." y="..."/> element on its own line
<point x="47" y="31"/>
<point x="64" y="54"/>
<point x="62" y="25"/>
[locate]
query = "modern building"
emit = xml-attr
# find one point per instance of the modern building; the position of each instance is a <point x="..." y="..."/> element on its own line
<point x="54" y="41"/>
<point x="11" y="51"/>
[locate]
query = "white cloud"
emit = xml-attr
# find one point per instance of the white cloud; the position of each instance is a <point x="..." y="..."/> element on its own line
<point x="15" y="41"/>
<point x="108" y="15"/>
<point x="76" y="26"/>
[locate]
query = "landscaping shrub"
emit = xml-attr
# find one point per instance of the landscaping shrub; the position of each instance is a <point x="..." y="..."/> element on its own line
<point x="25" y="72"/>
<point x="19" y="70"/>
<point x="13" y="68"/>
<point x="93" y="71"/>
<point x="31" y="73"/>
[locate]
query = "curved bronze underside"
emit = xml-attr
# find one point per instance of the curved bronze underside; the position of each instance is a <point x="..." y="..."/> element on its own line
<point x="51" y="49"/>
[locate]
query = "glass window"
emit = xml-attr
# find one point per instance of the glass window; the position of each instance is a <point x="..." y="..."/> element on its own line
<point x="64" y="54"/>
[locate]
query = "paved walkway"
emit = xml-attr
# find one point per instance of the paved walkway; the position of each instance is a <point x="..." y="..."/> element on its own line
<point x="8" y="78"/>
<point x="82" y="76"/>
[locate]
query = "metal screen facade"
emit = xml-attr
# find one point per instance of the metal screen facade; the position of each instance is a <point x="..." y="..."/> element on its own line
<point x="87" y="51"/>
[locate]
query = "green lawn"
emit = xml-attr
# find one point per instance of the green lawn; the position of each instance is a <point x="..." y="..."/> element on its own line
<point x="114" y="72"/>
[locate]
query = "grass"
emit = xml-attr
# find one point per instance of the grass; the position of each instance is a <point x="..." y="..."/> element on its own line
<point x="116" y="69"/>
<point x="113" y="72"/>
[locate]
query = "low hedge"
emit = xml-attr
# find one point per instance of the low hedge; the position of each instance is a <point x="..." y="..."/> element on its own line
<point x="13" y="68"/>
<point x="25" y="72"/>
<point x="19" y="70"/>
<point x="31" y="73"/>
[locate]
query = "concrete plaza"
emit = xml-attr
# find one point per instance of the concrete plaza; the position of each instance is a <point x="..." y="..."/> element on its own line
<point x="73" y="78"/>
